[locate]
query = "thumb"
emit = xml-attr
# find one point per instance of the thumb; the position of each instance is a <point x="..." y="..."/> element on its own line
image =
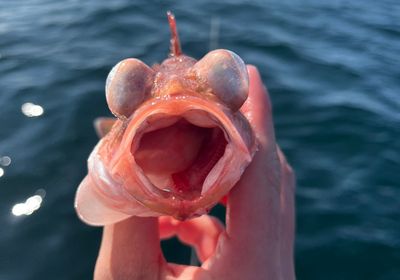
<point x="130" y="249"/>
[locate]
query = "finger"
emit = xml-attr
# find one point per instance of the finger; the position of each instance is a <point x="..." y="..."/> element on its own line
<point x="130" y="250"/>
<point x="258" y="110"/>
<point x="201" y="233"/>
<point x="167" y="227"/>
<point x="185" y="272"/>
<point x="287" y="172"/>
<point x="253" y="212"/>
<point x="253" y="203"/>
<point x="287" y="230"/>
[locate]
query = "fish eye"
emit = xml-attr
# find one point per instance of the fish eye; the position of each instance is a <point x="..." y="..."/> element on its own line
<point x="226" y="75"/>
<point x="128" y="85"/>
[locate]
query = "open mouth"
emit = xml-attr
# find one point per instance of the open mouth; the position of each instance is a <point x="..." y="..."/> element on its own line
<point x="178" y="153"/>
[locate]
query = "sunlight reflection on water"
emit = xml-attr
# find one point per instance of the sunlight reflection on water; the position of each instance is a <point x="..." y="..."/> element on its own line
<point x="32" y="204"/>
<point x="5" y="160"/>
<point x="32" y="110"/>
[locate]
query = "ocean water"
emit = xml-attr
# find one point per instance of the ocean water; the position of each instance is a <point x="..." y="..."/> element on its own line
<point x="333" y="72"/>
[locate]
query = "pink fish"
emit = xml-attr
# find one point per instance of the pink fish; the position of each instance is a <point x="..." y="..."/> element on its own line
<point x="179" y="142"/>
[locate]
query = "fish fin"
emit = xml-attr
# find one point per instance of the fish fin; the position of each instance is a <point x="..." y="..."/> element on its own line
<point x="92" y="207"/>
<point x="175" y="43"/>
<point x="103" y="125"/>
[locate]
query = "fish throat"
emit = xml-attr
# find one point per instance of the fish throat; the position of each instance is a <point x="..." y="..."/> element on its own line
<point x="178" y="153"/>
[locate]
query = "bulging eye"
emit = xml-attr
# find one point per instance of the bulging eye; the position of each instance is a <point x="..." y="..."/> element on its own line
<point x="127" y="86"/>
<point x="226" y="75"/>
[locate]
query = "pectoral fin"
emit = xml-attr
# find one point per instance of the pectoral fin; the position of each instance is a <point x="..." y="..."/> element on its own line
<point x="103" y="125"/>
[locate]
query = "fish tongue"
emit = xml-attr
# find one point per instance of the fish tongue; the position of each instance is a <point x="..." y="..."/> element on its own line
<point x="170" y="149"/>
<point x="189" y="182"/>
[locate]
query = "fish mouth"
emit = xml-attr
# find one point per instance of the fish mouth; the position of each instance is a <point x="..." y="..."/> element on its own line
<point x="177" y="153"/>
<point x="180" y="155"/>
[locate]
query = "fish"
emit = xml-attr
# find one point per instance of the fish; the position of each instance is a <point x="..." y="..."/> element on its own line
<point x="178" y="143"/>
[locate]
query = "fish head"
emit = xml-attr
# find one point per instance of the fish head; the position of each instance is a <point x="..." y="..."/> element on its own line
<point x="180" y="141"/>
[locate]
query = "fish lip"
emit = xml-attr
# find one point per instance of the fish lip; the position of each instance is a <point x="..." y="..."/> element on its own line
<point x="151" y="196"/>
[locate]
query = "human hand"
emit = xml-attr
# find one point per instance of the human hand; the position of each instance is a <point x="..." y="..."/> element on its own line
<point x="257" y="242"/>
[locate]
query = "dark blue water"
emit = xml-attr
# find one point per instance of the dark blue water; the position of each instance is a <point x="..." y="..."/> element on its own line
<point x="333" y="71"/>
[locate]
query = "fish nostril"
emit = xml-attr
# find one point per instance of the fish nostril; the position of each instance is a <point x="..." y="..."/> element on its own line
<point x="225" y="74"/>
<point x="127" y="86"/>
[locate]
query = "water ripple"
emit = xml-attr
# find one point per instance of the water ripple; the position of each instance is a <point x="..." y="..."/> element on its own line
<point x="332" y="71"/>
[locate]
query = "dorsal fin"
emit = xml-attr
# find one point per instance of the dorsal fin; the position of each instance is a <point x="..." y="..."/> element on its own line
<point x="175" y="44"/>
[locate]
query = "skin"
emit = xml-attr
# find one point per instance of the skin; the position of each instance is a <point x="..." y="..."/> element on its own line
<point x="257" y="242"/>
